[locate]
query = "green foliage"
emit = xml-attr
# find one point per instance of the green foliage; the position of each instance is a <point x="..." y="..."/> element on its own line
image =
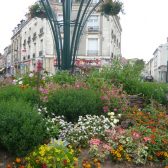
<point x="128" y="77"/>
<point x="12" y="91"/>
<point x="73" y="103"/>
<point x="21" y="127"/>
<point x="156" y="91"/>
<point x="37" y="10"/>
<point x="111" y="7"/>
<point x="33" y="80"/>
<point x="139" y="64"/>
<point x="55" y="155"/>
<point x="64" y="77"/>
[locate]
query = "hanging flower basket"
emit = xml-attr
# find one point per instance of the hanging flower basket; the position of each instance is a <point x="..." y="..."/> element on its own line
<point x="37" y="10"/>
<point x="110" y="7"/>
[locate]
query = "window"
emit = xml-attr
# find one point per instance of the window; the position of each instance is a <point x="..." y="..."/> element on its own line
<point x="95" y="1"/>
<point x="60" y="18"/>
<point x="29" y="40"/>
<point x="92" y="46"/>
<point x="93" y="23"/>
<point x="41" y="31"/>
<point x="34" y="36"/>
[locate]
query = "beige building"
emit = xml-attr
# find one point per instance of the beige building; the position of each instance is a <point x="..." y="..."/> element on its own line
<point x="32" y="40"/>
<point x="37" y="44"/>
<point x="101" y="40"/>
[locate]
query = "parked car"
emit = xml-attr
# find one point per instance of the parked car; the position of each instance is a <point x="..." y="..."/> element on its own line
<point x="148" y="78"/>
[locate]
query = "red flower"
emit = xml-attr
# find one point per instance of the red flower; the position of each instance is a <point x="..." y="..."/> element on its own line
<point x="146" y="139"/>
<point x="65" y="162"/>
<point x="44" y="165"/>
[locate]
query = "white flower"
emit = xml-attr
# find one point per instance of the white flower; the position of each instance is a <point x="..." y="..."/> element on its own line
<point x="115" y="121"/>
<point x="111" y="113"/>
<point x="31" y="75"/>
<point x="119" y="115"/>
<point x="20" y="82"/>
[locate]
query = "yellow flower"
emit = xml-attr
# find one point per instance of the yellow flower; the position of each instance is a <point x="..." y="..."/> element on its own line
<point x="166" y="154"/>
<point x="18" y="160"/>
<point x="120" y="148"/>
<point x="95" y="160"/>
<point x="118" y="155"/>
<point x="71" y="151"/>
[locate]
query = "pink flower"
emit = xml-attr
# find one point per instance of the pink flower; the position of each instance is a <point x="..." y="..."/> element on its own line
<point x="107" y="147"/>
<point x="146" y="139"/>
<point x="115" y="110"/>
<point x="120" y="130"/>
<point x="95" y="142"/>
<point x="136" y="135"/>
<point x="104" y="98"/>
<point x="105" y="109"/>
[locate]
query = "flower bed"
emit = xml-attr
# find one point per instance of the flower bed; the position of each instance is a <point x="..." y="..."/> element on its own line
<point x="119" y="136"/>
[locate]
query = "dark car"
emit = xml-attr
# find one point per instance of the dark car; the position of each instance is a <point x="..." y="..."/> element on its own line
<point x="149" y="78"/>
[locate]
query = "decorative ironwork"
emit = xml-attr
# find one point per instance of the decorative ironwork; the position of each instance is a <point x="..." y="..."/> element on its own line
<point x="67" y="41"/>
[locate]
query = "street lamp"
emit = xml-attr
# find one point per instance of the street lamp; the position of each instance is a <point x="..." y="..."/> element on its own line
<point x="72" y="29"/>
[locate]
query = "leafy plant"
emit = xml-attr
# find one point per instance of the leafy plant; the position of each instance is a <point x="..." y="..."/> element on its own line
<point x="13" y="91"/>
<point x="37" y="10"/>
<point x="21" y="127"/>
<point x="72" y="103"/>
<point x="55" y="154"/>
<point x="64" y="77"/>
<point x="111" y="7"/>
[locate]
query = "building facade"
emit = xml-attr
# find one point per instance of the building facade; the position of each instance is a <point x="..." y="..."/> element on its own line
<point x="37" y="44"/>
<point x="32" y="40"/>
<point x="8" y="61"/>
<point x="157" y="66"/>
<point x="101" y="38"/>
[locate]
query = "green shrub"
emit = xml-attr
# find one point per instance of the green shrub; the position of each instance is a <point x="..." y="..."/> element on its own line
<point x="152" y="90"/>
<point x="13" y="91"/>
<point x="21" y="127"/>
<point x="74" y="103"/>
<point x="64" y="77"/>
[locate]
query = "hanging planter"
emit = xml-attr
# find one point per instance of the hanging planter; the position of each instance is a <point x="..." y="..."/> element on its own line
<point x="110" y="7"/>
<point x="37" y="10"/>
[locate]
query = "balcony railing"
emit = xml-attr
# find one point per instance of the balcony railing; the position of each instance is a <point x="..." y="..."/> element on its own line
<point x="93" y="29"/>
<point x="92" y="52"/>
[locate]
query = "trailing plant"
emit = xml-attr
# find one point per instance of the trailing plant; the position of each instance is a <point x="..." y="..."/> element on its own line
<point x="111" y="7"/>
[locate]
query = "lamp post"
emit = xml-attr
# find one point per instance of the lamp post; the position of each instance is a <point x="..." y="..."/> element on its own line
<point x="72" y="29"/>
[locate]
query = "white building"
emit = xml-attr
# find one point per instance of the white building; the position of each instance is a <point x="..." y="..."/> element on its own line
<point x="37" y="43"/>
<point x="157" y="66"/>
<point x="8" y="60"/>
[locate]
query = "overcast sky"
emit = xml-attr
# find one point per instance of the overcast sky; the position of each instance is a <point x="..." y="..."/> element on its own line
<point x="145" y="25"/>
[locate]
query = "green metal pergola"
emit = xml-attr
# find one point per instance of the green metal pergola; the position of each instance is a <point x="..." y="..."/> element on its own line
<point x="67" y="41"/>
